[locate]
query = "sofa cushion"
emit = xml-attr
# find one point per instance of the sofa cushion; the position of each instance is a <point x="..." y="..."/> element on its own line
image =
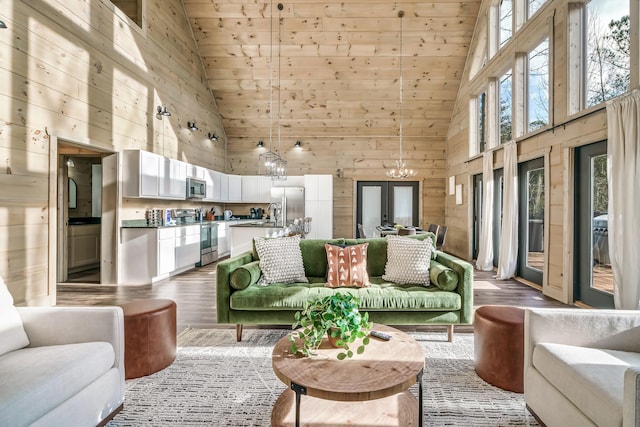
<point x="280" y="260"/>
<point x="314" y="255"/>
<point x="245" y="275"/>
<point x="443" y="277"/>
<point x="381" y="295"/>
<point x="591" y="378"/>
<point x="347" y="266"/>
<point x="11" y="329"/>
<point x="36" y="380"/>
<point x="408" y="260"/>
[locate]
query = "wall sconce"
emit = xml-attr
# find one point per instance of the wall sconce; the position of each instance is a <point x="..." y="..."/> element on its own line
<point x="192" y="126"/>
<point x="2" y="24"/>
<point x="298" y="144"/>
<point x="213" y="137"/>
<point x="163" y="111"/>
<point x="70" y="163"/>
<point x="260" y="144"/>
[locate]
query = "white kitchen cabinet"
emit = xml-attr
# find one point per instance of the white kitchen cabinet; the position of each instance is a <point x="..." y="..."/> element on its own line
<point x="140" y="173"/>
<point x="166" y="251"/>
<point x="318" y="187"/>
<point x="212" y="179"/>
<point x="224" y="238"/>
<point x="194" y="171"/>
<point x="256" y="189"/>
<point x="187" y="243"/>
<point x="224" y="187"/>
<point x="249" y="188"/>
<point x="318" y="197"/>
<point x="235" y="188"/>
<point x="173" y="179"/>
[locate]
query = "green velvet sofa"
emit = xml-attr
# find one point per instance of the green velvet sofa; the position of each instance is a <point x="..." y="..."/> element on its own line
<point x="241" y="300"/>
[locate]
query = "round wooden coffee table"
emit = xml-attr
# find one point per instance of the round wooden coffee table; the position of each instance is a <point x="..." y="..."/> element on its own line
<point x="369" y="389"/>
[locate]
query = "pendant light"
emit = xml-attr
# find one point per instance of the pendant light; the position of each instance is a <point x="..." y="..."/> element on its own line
<point x="267" y="162"/>
<point x="280" y="172"/>
<point x="400" y="171"/>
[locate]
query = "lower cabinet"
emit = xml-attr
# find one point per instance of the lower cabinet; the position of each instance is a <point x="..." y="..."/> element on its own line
<point x="84" y="247"/>
<point x="152" y="254"/>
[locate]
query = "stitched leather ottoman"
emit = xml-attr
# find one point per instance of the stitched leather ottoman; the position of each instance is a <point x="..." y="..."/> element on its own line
<point x="149" y="336"/>
<point x="499" y="346"/>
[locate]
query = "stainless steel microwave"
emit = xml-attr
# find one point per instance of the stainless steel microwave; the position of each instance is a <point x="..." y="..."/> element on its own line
<point x="196" y="188"/>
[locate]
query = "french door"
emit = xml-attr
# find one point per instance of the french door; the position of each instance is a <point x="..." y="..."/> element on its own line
<point x="386" y="202"/>
<point x="498" y="186"/>
<point x="477" y="213"/>
<point x="593" y="278"/>
<point x="531" y="221"/>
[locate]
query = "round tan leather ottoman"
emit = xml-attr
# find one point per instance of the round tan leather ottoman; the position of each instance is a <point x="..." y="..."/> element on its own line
<point x="149" y="336"/>
<point x="499" y="346"/>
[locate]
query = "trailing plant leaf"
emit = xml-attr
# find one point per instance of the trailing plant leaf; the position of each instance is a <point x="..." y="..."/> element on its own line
<point x="336" y="315"/>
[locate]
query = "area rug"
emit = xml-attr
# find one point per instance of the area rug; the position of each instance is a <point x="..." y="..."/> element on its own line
<point x="216" y="381"/>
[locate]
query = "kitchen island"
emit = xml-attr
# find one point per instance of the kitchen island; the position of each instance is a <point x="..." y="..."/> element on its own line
<point x="242" y="234"/>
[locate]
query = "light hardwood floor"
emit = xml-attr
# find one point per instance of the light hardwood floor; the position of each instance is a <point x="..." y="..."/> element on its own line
<point x="195" y="294"/>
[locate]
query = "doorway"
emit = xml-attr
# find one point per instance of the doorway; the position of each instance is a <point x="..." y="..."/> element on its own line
<point x="531" y="221"/>
<point x="386" y="202"/>
<point x="593" y="277"/>
<point x="86" y="215"/>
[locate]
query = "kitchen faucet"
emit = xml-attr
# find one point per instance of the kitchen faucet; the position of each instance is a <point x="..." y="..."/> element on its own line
<point x="275" y="206"/>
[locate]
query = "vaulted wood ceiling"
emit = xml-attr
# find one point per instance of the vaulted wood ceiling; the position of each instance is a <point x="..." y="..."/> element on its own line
<point x="339" y="65"/>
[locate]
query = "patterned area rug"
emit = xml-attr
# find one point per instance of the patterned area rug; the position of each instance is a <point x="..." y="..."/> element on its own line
<point x="216" y="381"/>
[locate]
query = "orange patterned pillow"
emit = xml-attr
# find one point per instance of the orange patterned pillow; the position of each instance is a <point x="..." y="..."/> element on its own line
<point x="347" y="266"/>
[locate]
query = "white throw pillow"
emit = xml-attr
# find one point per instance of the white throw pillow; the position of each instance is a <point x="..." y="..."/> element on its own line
<point x="12" y="334"/>
<point x="280" y="260"/>
<point x="408" y="260"/>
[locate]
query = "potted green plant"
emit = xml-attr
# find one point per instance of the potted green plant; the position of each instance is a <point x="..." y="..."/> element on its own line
<point x="335" y="316"/>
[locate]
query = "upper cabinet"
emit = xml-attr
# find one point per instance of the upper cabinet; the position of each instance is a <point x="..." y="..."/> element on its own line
<point x="173" y="179"/>
<point x="256" y="189"/>
<point x="318" y="188"/>
<point x="140" y="173"/>
<point x="235" y="188"/>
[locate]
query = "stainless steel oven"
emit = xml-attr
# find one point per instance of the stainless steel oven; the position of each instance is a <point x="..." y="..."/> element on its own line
<point x="208" y="243"/>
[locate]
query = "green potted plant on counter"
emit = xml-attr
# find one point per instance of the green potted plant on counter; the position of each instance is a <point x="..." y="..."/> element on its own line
<point x="335" y="316"/>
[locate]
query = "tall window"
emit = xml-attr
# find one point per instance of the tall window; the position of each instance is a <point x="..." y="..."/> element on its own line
<point x="505" y="113"/>
<point x="538" y="86"/>
<point x="607" y="50"/>
<point x="481" y="108"/>
<point x="534" y="5"/>
<point x="506" y="21"/>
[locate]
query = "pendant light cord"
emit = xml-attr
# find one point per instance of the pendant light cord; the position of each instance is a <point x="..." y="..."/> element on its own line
<point x="400" y="15"/>
<point x="279" y="68"/>
<point x="271" y="79"/>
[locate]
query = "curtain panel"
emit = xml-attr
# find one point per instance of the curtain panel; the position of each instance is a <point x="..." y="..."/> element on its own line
<point x="623" y="171"/>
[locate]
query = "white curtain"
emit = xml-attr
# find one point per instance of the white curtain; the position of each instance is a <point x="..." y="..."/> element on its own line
<point x="623" y="169"/>
<point x="485" y="252"/>
<point x="509" y="232"/>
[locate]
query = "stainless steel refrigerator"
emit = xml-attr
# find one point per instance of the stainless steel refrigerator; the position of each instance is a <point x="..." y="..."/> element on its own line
<point x="290" y="201"/>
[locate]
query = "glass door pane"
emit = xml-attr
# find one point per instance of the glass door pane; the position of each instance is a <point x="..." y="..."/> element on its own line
<point x="531" y="221"/>
<point x="403" y="205"/>
<point x="498" y="185"/>
<point x="593" y="278"/>
<point x="371" y="212"/>
<point x="477" y="213"/>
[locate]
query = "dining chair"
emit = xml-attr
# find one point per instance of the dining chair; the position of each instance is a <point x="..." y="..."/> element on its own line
<point x="433" y="228"/>
<point x="361" y="233"/>
<point x="442" y="232"/>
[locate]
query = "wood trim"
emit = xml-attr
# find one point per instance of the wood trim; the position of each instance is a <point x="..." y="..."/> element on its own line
<point x="568" y="237"/>
<point x="53" y="220"/>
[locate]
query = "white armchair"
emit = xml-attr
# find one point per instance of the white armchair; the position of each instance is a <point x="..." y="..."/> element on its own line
<point x="71" y="372"/>
<point x="582" y="367"/>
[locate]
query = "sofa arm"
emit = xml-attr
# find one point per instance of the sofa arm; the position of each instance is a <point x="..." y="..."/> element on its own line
<point x="223" y="283"/>
<point x="67" y="325"/>
<point x="631" y="396"/>
<point x="611" y="329"/>
<point x="465" y="283"/>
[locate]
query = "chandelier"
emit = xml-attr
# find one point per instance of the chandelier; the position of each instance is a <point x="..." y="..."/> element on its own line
<point x="400" y="171"/>
<point x="271" y="163"/>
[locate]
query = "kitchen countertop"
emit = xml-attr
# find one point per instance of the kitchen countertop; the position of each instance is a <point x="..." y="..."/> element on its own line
<point x="142" y="223"/>
<point x="258" y="224"/>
